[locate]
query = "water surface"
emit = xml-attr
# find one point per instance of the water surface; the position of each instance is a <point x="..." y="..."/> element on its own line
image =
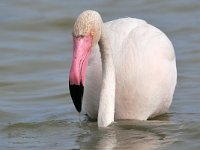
<point x="36" y="111"/>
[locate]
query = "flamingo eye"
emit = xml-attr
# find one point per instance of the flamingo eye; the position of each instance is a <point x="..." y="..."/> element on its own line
<point x="78" y="36"/>
<point x="81" y="36"/>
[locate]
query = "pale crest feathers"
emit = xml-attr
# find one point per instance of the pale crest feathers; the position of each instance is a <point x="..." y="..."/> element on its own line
<point x="88" y="23"/>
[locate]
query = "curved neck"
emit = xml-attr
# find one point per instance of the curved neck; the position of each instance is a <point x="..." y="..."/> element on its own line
<point x="107" y="95"/>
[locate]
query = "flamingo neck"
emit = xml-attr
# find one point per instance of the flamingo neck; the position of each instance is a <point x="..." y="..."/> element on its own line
<point x="107" y="95"/>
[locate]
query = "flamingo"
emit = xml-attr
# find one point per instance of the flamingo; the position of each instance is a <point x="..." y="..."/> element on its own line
<point x="126" y="69"/>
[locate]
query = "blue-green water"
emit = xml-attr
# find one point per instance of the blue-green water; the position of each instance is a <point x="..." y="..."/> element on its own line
<point x="36" y="111"/>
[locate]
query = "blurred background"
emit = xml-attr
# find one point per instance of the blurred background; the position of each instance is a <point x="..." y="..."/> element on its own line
<point x="36" y="111"/>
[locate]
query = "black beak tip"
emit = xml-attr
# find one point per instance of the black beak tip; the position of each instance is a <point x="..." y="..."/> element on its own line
<point x="76" y="92"/>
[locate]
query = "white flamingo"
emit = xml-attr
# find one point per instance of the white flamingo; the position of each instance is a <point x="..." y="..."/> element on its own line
<point x="131" y="70"/>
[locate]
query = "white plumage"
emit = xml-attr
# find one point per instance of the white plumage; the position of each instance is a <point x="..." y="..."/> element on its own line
<point x="145" y="70"/>
<point x="131" y="72"/>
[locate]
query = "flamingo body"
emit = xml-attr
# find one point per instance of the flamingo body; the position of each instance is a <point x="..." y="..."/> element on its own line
<point x="126" y="69"/>
<point x="145" y="70"/>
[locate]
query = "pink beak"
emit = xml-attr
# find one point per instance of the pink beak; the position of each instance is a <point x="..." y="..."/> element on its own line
<point x="82" y="49"/>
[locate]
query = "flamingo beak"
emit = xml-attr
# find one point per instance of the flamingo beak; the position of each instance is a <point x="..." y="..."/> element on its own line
<point x="82" y="49"/>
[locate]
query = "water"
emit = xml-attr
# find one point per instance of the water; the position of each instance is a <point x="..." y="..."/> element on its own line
<point x="36" y="111"/>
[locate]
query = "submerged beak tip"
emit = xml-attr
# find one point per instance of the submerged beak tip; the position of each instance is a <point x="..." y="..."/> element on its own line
<point x="76" y="92"/>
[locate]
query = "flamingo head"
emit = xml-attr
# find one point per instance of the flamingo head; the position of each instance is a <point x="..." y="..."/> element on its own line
<point x="86" y="34"/>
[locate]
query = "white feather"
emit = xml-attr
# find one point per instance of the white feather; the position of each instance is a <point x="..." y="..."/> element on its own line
<point x="145" y="71"/>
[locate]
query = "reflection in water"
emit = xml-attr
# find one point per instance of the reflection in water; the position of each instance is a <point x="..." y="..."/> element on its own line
<point x="107" y="141"/>
<point x="139" y="135"/>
